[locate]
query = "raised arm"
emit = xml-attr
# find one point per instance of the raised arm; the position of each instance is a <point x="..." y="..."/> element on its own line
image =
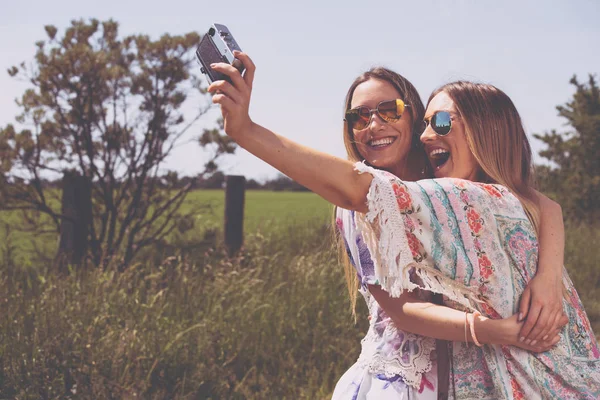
<point x="331" y="177"/>
<point x="541" y="304"/>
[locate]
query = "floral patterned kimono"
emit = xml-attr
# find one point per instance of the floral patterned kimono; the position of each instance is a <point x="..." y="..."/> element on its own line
<point x="472" y="243"/>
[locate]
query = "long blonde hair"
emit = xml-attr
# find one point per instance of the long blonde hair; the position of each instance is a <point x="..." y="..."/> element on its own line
<point x="496" y="137"/>
<point x="417" y="160"/>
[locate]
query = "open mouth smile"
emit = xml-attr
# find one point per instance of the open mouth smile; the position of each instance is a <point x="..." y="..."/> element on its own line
<point x="438" y="158"/>
<point x="381" y="143"/>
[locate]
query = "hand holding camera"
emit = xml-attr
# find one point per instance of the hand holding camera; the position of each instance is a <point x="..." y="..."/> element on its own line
<point x="233" y="95"/>
<point x="223" y="63"/>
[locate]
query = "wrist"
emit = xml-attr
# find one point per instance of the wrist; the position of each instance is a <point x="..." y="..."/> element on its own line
<point x="245" y="134"/>
<point x="488" y="330"/>
<point x="549" y="269"/>
<point x="550" y="273"/>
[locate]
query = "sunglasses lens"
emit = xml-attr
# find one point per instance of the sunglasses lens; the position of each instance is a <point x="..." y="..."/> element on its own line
<point x="390" y="110"/>
<point x="358" y="118"/>
<point x="441" y="123"/>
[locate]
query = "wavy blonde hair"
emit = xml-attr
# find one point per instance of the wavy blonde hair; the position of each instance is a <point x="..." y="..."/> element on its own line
<point x="417" y="160"/>
<point x="495" y="135"/>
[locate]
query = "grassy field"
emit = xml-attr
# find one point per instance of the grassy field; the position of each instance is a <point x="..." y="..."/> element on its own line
<point x="264" y="210"/>
<point x="266" y="214"/>
<point x="272" y="323"/>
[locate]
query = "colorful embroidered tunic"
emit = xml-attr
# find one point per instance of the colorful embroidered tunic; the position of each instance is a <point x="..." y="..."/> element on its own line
<point x="473" y="243"/>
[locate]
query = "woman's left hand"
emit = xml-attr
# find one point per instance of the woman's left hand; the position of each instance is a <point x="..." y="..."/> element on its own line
<point x="234" y="97"/>
<point x="542" y="305"/>
<point x="505" y="331"/>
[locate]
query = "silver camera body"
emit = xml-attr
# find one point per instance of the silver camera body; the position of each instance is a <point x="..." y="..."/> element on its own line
<point x="217" y="45"/>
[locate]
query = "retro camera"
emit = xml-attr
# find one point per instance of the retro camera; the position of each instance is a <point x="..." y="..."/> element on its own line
<point x="217" y="45"/>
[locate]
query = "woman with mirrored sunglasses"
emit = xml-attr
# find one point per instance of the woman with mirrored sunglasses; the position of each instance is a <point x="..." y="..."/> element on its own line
<point x="474" y="132"/>
<point x="400" y="230"/>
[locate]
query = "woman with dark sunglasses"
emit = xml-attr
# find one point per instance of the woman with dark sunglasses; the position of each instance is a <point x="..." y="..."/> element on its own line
<point x="471" y="242"/>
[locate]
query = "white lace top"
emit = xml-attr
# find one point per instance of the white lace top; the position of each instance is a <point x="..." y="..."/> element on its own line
<point x="386" y="350"/>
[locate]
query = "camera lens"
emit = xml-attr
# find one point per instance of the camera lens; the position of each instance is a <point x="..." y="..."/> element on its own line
<point x="211" y="31"/>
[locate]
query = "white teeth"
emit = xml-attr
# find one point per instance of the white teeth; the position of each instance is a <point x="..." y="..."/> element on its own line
<point x="381" y="142"/>
<point x="438" y="151"/>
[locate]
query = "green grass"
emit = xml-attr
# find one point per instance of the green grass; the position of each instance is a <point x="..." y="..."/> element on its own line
<point x="264" y="213"/>
<point x="272" y="323"/>
<point x="264" y="210"/>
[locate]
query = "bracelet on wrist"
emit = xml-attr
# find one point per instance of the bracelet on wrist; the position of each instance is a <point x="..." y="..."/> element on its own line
<point x="472" y="325"/>
<point x="466" y="323"/>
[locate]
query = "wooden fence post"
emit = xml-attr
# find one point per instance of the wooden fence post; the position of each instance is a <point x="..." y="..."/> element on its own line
<point x="74" y="227"/>
<point x="235" y="187"/>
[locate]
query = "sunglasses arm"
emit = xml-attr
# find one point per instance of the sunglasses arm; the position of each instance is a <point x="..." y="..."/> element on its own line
<point x="332" y="178"/>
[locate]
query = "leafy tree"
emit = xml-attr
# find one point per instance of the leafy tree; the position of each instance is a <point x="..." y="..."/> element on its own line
<point x="109" y="110"/>
<point x="574" y="176"/>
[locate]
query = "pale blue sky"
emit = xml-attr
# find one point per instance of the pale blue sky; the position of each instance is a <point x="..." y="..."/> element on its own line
<point x="308" y="52"/>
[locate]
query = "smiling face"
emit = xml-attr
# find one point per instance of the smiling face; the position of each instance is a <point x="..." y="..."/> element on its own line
<point x="449" y="155"/>
<point x="383" y="145"/>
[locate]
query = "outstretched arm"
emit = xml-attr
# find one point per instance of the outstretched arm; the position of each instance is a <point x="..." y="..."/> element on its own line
<point x="331" y="177"/>
<point x="542" y="301"/>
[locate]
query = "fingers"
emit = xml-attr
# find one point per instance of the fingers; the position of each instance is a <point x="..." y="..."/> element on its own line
<point x="544" y="345"/>
<point x="562" y="321"/>
<point x="233" y="74"/>
<point x="226" y="88"/>
<point x="551" y="340"/>
<point x="542" y="326"/>
<point x="532" y="317"/>
<point x="233" y="95"/>
<point x="524" y="303"/>
<point x="559" y="320"/>
<point x="554" y="333"/>
<point x="248" y="64"/>
<point x="225" y="102"/>
<point x="548" y="345"/>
